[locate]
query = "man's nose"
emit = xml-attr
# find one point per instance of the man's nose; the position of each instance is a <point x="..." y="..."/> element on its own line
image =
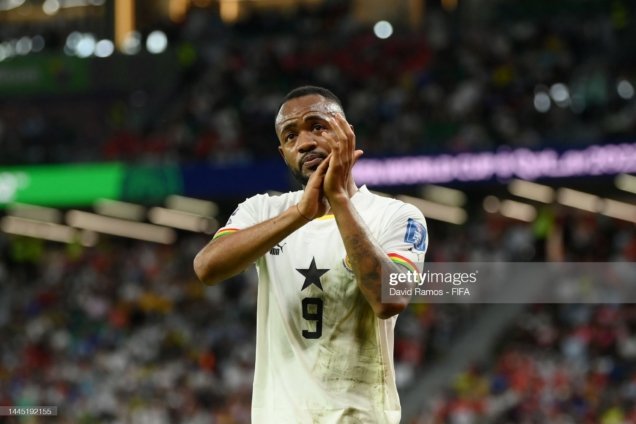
<point x="306" y="142"/>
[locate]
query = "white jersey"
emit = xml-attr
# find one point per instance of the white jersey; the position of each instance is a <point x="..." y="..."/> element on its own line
<point x="322" y="356"/>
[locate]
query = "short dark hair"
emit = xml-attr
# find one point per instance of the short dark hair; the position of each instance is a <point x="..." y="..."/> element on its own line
<point x="307" y="90"/>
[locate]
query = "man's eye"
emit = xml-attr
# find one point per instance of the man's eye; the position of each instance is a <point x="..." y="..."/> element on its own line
<point x="318" y="127"/>
<point x="290" y="136"/>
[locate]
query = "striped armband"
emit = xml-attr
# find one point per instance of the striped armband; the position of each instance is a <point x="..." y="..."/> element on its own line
<point x="401" y="260"/>
<point x="224" y="232"/>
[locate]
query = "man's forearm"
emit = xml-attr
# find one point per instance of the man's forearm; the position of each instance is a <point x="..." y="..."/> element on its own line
<point x="231" y="254"/>
<point x="367" y="259"/>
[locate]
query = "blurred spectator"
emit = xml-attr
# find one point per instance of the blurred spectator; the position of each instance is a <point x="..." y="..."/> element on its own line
<point x="454" y="84"/>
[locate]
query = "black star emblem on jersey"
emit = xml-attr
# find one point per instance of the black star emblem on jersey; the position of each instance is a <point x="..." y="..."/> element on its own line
<point x="312" y="275"/>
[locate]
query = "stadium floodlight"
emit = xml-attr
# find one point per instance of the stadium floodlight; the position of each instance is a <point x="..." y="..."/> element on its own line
<point x="445" y="195"/>
<point x="120" y="227"/>
<point x="542" y="102"/>
<point x="23" y="46"/>
<point x="86" y="46"/>
<point x="383" y="29"/>
<point x="157" y="42"/>
<point x="579" y="200"/>
<point x="230" y="11"/>
<point x="72" y="40"/>
<point x="119" y="209"/>
<point x="491" y="204"/>
<point x="131" y="43"/>
<point x="182" y="220"/>
<point x="51" y="7"/>
<point x="38" y="229"/>
<point x="518" y="210"/>
<point x="437" y="211"/>
<point x="619" y="210"/>
<point x="8" y="49"/>
<point x="625" y="89"/>
<point x="34" y="212"/>
<point x="204" y="208"/>
<point x="530" y="190"/>
<point x="626" y="182"/>
<point x="104" y="48"/>
<point x="127" y="39"/>
<point x="560" y="94"/>
<point x="10" y="4"/>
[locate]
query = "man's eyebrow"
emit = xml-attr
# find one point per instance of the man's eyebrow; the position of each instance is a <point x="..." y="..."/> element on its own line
<point x="292" y="122"/>
<point x="288" y="126"/>
<point x="314" y="117"/>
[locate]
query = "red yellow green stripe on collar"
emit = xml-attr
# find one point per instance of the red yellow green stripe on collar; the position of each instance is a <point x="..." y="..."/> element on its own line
<point x="224" y="232"/>
<point x="401" y="260"/>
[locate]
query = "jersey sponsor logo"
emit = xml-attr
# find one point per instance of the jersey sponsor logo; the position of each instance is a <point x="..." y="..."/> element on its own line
<point x="277" y="249"/>
<point x="416" y="234"/>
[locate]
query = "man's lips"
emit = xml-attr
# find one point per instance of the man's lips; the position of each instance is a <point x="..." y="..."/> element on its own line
<point x="312" y="160"/>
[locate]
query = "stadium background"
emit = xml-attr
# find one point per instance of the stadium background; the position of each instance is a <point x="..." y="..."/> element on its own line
<point x="130" y="129"/>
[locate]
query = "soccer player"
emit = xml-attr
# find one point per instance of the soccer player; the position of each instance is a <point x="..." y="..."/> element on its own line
<point x="324" y="344"/>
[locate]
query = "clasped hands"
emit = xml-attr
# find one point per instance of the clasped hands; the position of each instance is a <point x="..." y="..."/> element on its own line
<point x="332" y="180"/>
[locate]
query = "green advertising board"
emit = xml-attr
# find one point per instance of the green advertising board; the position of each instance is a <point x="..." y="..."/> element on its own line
<point x="60" y="185"/>
<point x="81" y="184"/>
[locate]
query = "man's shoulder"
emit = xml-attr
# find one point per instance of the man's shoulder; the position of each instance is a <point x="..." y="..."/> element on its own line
<point x="273" y="199"/>
<point x="389" y="205"/>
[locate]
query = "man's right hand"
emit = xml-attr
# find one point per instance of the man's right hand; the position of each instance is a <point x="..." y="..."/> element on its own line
<point x="314" y="204"/>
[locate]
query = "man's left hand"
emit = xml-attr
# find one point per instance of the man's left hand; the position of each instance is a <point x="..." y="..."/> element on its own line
<point x="344" y="155"/>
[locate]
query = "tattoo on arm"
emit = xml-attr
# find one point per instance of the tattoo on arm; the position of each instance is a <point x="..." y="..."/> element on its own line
<point x="364" y="260"/>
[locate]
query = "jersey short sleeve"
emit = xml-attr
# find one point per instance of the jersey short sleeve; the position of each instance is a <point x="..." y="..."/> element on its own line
<point x="405" y="238"/>
<point x="245" y="215"/>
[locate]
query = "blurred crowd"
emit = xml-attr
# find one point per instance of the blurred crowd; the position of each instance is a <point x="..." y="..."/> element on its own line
<point x="454" y="83"/>
<point x="557" y="363"/>
<point x="562" y="364"/>
<point x="124" y="332"/>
